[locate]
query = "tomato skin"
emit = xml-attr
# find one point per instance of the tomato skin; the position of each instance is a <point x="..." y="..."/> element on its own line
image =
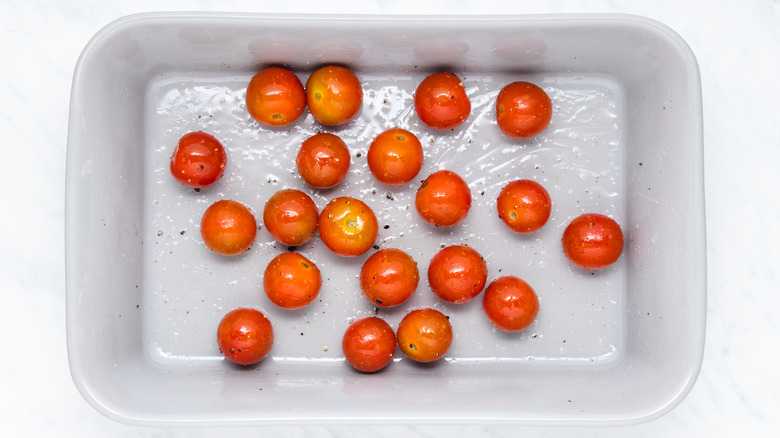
<point x="510" y="304"/>
<point x="457" y="274"/>
<point x="198" y="160"/>
<point x="592" y="241"/>
<point x="334" y="95"/>
<point x="424" y="335"/>
<point x="369" y="344"/>
<point x="443" y="199"/>
<point x="524" y="206"/>
<point x="323" y="160"/>
<point x="348" y="226"/>
<point x="389" y="277"/>
<point x="523" y="110"/>
<point x="290" y="216"/>
<point x="291" y="281"/>
<point x="228" y="227"/>
<point x="441" y="101"/>
<point x="275" y="97"/>
<point x="245" y="336"/>
<point x="395" y="157"/>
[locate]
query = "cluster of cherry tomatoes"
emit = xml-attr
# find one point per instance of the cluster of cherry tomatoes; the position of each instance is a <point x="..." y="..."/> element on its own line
<point x="348" y="227"/>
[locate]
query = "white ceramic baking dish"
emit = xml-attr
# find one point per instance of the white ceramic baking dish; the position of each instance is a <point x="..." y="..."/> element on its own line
<point x="617" y="346"/>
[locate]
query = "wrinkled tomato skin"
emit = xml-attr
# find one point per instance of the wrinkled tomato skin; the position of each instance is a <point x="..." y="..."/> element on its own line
<point x="334" y="95"/>
<point x="524" y="206"/>
<point x="424" y="335"/>
<point x="523" y="110"/>
<point x="510" y="304"/>
<point x="228" y="227"/>
<point x="198" y="160"/>
<point x="245" y="336"/>
<point x="457" y="274"/>
<point x="348" y="227"/>
<point x="369" y="344"/>
<point x="395" y="157"/>
<point x="443" y="199"/>
<point x="290" y="216"/>
<point x="441" y="101"/>
<point x="389" y="277"/>
<point x="592" y="241"/>
<point x="291" y="281"/>
<point x="323" y="160"/>
<point x="275" y="97"/>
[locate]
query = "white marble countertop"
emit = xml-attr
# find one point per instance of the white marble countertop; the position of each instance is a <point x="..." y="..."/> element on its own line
<point x="736" y="43"/>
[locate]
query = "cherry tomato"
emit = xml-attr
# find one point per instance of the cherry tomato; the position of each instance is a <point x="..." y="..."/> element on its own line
<point x="389" y="277"/>
<point x="441" y="101"/>
<point x="523" y="110"/>
<point x="592" y="241"/>
<point x="443" y="199"/>
<point x="275" y="97"/>
<point x="245" y="336"/>
<point x="291" y="281"/>
<point x="524" y="206"/>
<point x="457" y="274"/>
<point x="395" y="157"/>
<point x="369" y="344"/>
<point x="228" y="228"/>
<point x="510" y="303"/>
<point x="290" y="216"/>
<point x="348" y="226"/>
<point x="323" y="160"/>
<point x="334" y="95"/>
<point x="198" y="160"/>
<point x="425" y="335"/>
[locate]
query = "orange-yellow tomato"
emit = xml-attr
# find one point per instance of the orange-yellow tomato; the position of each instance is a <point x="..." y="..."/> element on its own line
<point x="334" y="95"/>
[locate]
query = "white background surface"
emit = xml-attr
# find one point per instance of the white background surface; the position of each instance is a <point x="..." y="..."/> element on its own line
<point x="738" y="48"/>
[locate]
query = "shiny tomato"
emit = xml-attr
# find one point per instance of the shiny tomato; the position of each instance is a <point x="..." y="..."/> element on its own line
<point x="592" y="241"/>
<point x="334" y="95"/>
<point x="389" y="277"/>
<point x="395" y="157"/>
<point x="369" y="344"/>
<point x="524" y="206"/>
<point x="457" y="274"/>
<point x="275" y="97"/>
<point x="290" y="216"/>
<point x="510" y="303"/>
<point x="425" y="335"/>
<point x="245" y="336"/>
<point x="443" y="199"/>
<point x="348" y="226"/>
<point x="291" y="281"/>
<point x="441" y="101"/>
<point x="228" y="227"/>
<point x="198" y="160"/>
<point x="523" y="110"/>
<point x="323" y="160"/>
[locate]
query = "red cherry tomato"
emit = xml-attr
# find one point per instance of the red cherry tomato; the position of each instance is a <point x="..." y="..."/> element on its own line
<point x="457" y="274"/>
<point x="245" y="336"/>
<point x="275" y="97"/>
<point x="441" y="101"/>
<point x="523" y="110"/>
<point x="592" y="241"/>
<point x="425" y="335"/>
<point x="290" y="216"/>
<point x="524" y="206"/>
<point x="291" y="281"/>
<point x="323" y="160"/>
<point x="510" y="303"/>
<point x="443" y="199"/>
<point x="198" y="160"/>
<point x="369" y="344"/>
<point x="395" y="157"/>
<point x="389" y="277"/>
<point x="348" y="226"/>
<point x="228" y="228"/>
<point x="334" y="95"/>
